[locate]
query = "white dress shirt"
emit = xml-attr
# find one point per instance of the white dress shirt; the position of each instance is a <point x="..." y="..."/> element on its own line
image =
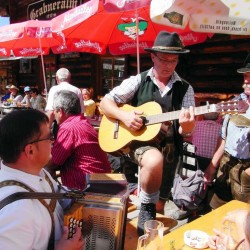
<point x="63" y="86"/>
<point x="26" y="223"/>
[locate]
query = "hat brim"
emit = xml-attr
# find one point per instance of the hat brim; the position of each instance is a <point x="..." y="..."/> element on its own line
<point x="182" y="51"/>
<point x="14" y="88"/>
<point x="243" y="70"/>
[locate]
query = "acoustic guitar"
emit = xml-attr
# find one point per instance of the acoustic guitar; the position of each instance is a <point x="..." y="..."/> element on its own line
<point x="114" y="135"/>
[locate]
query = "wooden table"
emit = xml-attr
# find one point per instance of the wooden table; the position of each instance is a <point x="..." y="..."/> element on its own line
<point x="205" y="223"/>
<point x="7" y="109"/>
<point x="131" y="236"/>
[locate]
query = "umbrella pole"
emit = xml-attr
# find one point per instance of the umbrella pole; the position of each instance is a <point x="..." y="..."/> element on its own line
<point x="137" y="42"/>
<point x="43" y="70"/>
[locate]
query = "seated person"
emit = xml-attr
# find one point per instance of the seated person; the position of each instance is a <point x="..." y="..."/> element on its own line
<point x="76" y="150"/>
<point x="7" y="94"/>
<point x="26" y="100"/>
<point x="14" y="94"/>
<point x="89" y="104"/>
<point x="37" y="101"/>
<point x="25" y="147"/>
<point x="171" y="92"/>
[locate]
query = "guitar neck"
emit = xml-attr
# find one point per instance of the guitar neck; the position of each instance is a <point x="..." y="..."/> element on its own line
<point x="174" y="115"/>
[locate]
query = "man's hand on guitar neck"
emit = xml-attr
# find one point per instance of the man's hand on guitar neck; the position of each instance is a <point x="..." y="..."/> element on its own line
<point x="186" y="121"/>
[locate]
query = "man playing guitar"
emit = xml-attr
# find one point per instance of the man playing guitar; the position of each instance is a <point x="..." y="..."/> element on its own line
<point x="164" y="86"/>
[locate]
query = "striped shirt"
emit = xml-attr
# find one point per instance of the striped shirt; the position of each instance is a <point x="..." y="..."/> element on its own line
<point x="77" y="152"/>
<point x="127" y="89"/>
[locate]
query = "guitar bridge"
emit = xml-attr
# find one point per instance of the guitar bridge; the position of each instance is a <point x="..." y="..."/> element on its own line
<point x="116" y="129"/>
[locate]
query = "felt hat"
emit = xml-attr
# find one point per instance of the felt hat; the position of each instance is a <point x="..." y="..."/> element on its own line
<point x="13" y="87"/>
<point x="246" y="67"/>
<point x="169" y="43"/>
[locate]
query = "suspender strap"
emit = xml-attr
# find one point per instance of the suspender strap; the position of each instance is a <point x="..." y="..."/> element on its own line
<point x="15" y="183"/>
<point x="54" y="196"/>
<point x="40" y="196"/>
<point x="240" y="120"/>
<point x="52" y="204"/>
<point x="35" y="195"/>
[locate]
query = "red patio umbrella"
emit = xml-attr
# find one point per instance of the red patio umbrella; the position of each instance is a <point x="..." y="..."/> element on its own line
<point x="117" y="6"/>
<point x="30" y="38"/>
<point x="90" y="28"/>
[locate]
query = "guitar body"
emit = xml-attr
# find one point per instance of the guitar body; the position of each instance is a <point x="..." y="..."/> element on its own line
<point x="107" y="140"/>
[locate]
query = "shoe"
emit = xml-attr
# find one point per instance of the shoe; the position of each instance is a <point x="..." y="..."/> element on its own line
<point x="179" y="214"/>
<point x="147" y="212"/>
<point x="174" y="212"/>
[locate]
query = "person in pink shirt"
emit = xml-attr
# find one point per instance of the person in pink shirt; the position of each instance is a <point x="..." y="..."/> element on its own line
<point x="76" y="150"/>
<point x="205" y="138"/>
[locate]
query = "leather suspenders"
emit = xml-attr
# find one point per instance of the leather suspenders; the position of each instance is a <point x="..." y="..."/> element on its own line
<point x="31" y="194"/>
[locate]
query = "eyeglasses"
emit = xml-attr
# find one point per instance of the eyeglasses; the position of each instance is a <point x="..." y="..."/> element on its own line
<point x="50" y="137"/>
<point x="167" y="61"/>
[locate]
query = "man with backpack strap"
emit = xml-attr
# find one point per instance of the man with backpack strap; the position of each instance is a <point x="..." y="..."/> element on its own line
<point x="164" y="86"/>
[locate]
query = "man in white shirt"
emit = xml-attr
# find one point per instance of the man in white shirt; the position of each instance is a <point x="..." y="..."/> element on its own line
<point x="63" y="78"/>
<point x="27" y="223"/>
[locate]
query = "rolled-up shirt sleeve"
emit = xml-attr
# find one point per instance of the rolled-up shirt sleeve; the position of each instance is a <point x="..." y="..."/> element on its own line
<point x="125" y="91"/>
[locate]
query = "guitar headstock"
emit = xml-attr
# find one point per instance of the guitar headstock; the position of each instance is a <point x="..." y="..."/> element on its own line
<point x="232" y="107"/>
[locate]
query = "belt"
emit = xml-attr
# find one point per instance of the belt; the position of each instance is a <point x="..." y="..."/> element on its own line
<point x="236" y="159"/>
